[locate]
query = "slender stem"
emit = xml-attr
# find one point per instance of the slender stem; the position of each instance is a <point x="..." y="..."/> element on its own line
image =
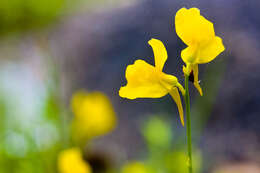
<point x="188" y="123"/>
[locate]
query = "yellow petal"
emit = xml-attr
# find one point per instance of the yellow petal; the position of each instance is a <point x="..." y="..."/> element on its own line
<point x="176" y="97"/>
<point x="142" y="82"/>
<point x="209" y="52"/>
<point x="160" y="53"/>
<point x="196" y="78"/>
<point x="193" y="28"/>
<point x="71" y="160"/>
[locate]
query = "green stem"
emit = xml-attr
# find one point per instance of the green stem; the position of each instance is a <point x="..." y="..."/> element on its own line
<point x="188" y="123"/>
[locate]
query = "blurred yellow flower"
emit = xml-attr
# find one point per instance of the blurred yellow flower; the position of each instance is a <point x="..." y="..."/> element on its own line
<point x="71" y="161"/>
<point x="199" y="35"/>
<point x="94" y="114"/>
<point x="135" y="167"/>
<point x="147" y="81"/>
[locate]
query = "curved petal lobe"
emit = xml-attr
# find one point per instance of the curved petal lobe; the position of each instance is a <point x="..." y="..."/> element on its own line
<point x="210" y="51"/>
<point x="196" y="78"/>
<point x="160" y="53"/>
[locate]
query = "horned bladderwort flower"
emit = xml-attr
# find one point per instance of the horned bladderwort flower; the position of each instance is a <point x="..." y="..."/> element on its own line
<point x="199" y="35"/>
<point x="147" y="81"/>
<point x="203" y="46"/>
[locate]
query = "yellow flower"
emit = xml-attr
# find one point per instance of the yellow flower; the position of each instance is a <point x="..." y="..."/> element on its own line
<point x="71" y="161"/>
<point x="94" y="114"/>
<point x="199" y="35"/>
<point x="147" y="81"/>
<point x="135" y="167"/>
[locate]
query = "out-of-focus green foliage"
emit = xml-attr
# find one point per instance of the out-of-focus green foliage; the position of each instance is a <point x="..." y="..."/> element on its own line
<point x="136" y="167"/>
<point x="165" y="153"/>
<point x="157" y="133"/>
<point x="19" y="15"/>
<point x="176" y="161"/>
<point x="30" y="128"/>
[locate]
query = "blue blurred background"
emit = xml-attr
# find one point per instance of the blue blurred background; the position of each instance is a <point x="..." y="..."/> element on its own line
<point x="51" y="48"/>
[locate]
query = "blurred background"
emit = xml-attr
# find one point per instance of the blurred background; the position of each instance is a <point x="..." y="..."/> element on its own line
<point x="51" y="49"/>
